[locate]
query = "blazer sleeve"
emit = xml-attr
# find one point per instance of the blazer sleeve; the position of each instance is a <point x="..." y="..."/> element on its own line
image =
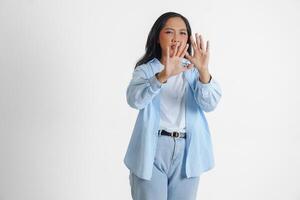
<point x="141" y="88"/>
<point x="207" y="95"/>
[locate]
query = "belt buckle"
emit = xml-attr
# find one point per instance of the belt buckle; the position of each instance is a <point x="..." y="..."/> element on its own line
<point x="177" y="134"/>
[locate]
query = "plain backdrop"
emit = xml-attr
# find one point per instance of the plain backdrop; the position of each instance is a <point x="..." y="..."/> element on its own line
<point x="65" y="123"/>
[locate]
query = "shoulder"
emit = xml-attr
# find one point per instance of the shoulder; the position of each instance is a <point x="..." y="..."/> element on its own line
<point x="149" y="68"/>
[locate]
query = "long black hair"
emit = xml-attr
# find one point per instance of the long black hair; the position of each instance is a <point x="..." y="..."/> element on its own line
<point x="152" y="48"/>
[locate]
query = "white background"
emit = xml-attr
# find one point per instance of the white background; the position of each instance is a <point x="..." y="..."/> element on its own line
<point x="64" y="121"/>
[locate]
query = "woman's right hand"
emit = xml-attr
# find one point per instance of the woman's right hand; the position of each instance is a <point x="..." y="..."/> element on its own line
<point x="173" y="65"/>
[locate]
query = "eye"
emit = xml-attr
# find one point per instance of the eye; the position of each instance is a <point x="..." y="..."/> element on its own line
<point x="168" y="32"/>
<point x="183" y="33"/>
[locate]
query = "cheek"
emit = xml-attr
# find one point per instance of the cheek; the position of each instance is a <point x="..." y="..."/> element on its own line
<point x="164" y="44"/>
<point x="185" y="39"/>
<point x="165" y="39"/>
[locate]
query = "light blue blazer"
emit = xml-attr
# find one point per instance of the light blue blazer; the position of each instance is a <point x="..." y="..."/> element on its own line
<point x="143" y="93"/>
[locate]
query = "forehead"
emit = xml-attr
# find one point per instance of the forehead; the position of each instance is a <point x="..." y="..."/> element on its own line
<point x="175" y="23"/>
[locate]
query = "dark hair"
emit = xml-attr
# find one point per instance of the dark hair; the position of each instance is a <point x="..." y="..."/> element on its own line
<point x="152" y="48"/>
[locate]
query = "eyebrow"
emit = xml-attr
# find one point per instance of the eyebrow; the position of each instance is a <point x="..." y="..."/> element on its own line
<point x="183" y="29"/>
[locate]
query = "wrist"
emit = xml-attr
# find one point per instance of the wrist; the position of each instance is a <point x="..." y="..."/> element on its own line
<point x="203" y="71"/>
<point x="204" y="76"/>
<point x="161" y="77"/>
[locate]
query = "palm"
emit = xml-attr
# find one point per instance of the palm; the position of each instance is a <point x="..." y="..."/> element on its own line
<point x="174" y="65"/>
<point x="173" y="62"/>
<point x="200" y="55"/>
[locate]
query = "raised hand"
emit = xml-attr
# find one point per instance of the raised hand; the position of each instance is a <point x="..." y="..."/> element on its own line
<point x="201" y="54"/>
<point x="173" y="65"/>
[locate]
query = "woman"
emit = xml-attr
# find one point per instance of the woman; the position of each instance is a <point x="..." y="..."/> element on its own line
<point x="172" y="88"/>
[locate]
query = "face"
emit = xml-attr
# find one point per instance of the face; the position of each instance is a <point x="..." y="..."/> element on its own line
<point x="173" y="31"/>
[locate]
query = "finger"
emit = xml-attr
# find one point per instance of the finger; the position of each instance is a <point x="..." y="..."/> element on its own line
<point x="198" y="40"/>
<point x="184" y="50"/>
<point x="183" y="69"/>
<point x="188" y="56"/>
<point x="207" y="46"/>
<point x="193" y="42"/>
<point x="176" y="49"/>
<point x="180" y="49"/>
<point x="190" y="66"/>
<point x="201" y="42"/>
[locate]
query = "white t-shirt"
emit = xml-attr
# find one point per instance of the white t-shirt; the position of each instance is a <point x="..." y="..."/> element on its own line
<point x="172" y="104"/>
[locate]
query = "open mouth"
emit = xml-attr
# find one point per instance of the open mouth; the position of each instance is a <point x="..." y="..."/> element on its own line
<point x="173" y="46"/>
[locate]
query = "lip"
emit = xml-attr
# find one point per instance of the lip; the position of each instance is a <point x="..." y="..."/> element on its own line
<point x="173" y="46"/>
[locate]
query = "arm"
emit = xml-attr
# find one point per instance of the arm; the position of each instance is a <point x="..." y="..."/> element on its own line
<point x="207" y="91"/>
<point x="142" y="89"/>
<point x="207" y="95"/>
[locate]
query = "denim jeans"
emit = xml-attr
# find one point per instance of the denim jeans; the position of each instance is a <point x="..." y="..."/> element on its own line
<point x="168" y="180"/>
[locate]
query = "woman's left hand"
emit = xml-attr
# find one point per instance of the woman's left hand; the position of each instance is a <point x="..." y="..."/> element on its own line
<point x="200" y="54"/>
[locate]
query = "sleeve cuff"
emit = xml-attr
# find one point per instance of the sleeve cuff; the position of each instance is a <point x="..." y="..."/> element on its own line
<point x="155" y="83"/>
<point x="208" y="81"/>
<point x="205" y="86"/>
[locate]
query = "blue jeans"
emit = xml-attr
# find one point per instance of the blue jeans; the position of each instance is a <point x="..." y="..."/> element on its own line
<point x="168" y="180"/>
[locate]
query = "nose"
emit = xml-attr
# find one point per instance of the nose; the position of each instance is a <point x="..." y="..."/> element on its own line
<point x="175" y="39"/>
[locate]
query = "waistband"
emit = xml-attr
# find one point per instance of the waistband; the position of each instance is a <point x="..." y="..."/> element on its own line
<point x="172" y="134"/>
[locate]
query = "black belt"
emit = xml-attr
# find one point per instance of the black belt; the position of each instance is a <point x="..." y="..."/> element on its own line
<point x="172" y="134"/>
